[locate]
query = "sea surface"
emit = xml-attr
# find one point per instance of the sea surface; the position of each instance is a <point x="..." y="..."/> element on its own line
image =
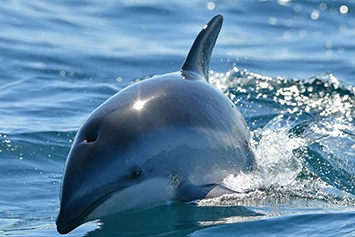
<point x="289" y="66"/>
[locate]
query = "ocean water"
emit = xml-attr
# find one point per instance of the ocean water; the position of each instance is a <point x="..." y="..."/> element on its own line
<point x="288" y="65"/>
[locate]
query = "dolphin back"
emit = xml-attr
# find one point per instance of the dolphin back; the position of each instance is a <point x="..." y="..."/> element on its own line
<point x="196" y="65"/>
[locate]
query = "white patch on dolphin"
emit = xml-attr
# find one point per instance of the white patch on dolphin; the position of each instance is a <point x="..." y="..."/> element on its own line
<point x="148" y="193"/>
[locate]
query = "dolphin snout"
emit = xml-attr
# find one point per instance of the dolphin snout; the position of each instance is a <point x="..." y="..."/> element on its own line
<point x="75" y="213"/>
<point x="71" y="217"/>
<point x="63" y="225"/>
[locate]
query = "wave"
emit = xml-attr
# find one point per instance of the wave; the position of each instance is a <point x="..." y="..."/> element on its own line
<point x="303" y="137"/>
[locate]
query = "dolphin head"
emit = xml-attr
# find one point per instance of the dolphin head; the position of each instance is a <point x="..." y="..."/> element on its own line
<point x="107" y="168"/>
<point x="126" y="154"/>
<point x="89" y="177"/>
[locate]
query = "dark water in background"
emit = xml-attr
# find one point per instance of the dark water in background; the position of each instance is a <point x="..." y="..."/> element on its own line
<point x="60" y="60"/>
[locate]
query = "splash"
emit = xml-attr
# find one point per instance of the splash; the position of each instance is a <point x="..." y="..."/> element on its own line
<point x="303" y="136"/>
<point x="322" y="95"/>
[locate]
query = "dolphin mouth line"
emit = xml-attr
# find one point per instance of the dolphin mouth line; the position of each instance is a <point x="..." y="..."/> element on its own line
<point x="68" y="226"/>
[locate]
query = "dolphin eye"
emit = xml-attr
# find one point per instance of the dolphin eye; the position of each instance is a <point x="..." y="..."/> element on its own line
<point x="91" y="138"/>
<point x="136" y="173"/>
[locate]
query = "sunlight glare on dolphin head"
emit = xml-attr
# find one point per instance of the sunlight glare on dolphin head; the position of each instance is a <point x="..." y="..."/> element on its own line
<point x="139" y="104"/>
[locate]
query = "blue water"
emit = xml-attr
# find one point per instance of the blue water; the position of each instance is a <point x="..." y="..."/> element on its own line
<point x="288" y="65"/>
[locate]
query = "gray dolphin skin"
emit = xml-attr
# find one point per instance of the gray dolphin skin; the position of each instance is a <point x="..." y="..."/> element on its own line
<point x="173" y="137"/>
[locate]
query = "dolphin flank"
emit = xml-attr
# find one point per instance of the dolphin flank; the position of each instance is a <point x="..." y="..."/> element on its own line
<point x="171" y="137"/>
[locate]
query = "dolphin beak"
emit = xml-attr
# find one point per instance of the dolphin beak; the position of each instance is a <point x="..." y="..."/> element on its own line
<point x="68" y="219"/>
<point x="65" y="222"/>
<point x="64" y="227"/>
<point x="74" y="214"/>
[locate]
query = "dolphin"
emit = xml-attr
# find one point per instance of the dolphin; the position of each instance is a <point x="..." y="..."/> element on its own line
<point x="173" y="137"/>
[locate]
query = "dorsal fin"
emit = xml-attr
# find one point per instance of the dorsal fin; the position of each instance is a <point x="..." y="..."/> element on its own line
<point x="197" y="63"/>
